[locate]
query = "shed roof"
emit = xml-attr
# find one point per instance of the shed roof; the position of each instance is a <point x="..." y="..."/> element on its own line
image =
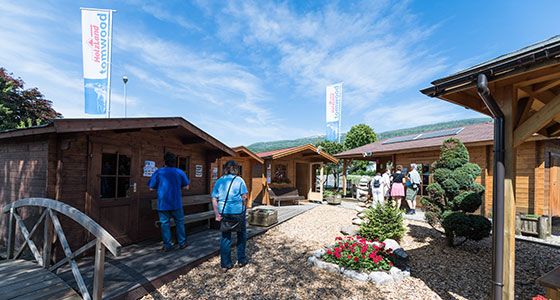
<point x="243" y="149"/>
<point x="482" y="133"/>
<point x="191" y="133"/>
<point x="275" y="154"/>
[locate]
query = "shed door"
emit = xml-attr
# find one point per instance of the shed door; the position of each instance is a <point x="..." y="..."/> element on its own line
<point x="114" y="174"/>
<point x="555" y="185"/>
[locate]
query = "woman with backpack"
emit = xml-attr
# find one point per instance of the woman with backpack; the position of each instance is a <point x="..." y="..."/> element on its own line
<point x="377" y="190"/>
<point x="397" y="189"/>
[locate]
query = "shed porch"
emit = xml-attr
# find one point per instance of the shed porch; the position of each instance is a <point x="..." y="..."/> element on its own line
<point x="142" y="268"/>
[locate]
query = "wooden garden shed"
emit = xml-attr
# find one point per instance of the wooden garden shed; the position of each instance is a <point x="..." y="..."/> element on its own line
<point x="102" y="166"/>
<point x="250" y="169"/>
<point x="521" y="91"/>
<point x="537" y="167"/>
<point x="295" y="168"/>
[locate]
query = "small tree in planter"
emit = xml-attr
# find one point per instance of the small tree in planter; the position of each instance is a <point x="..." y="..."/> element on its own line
<point x="454" y="195"/>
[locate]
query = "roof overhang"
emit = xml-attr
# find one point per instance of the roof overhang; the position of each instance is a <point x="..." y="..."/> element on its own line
<point x="243" y="149"/>
<point x="196" y="135"/>
<point x="307" y="147"/>
<point x="532" y="74"/>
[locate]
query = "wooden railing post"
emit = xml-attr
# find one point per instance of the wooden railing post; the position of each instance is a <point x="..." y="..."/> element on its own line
<point x="98" y="271"/>
<point x="47" y="243"/>
<point x="11" y="234"/>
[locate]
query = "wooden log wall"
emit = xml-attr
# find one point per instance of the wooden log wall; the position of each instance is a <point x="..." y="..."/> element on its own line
<point x="23" y="174"/>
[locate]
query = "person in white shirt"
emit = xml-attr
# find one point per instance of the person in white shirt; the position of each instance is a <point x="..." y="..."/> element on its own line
<point x="413" y="189"/>
<point x="377" y="189"/>
<point x="386" y="184"/>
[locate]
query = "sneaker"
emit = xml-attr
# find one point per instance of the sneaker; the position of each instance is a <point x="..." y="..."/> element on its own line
<point x="163" y="249"/>
<point x="183" y="246"/>
<point x="413" y="212"/>
<point x="241" y="265"/>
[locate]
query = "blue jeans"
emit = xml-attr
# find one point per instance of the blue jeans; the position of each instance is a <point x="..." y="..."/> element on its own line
<point x="225" y="245"/>
<point x="179" y="217"/>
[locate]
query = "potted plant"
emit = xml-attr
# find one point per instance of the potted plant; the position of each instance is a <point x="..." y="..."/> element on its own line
<point x="335" y="197"/>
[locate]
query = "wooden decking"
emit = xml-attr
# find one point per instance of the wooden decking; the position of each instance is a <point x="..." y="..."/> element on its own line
<point x="142" y="267"/>
<point x="25" y="280"/>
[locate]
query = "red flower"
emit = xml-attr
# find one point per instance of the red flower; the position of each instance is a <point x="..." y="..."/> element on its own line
<point x="338" y="238"/>
<point x="346" y="244"/>
<point x="371" y="255"/>
<point x="363" y="256"/>
<point x="349" y="256"/>
<point x="329" y="252"/>
<point x="375" y="240"/>
<point x="390" y="264"/>
<point x="355" y="259"/>
<point x="337" y="255"/>
<point x="352" y="250"/>
<point x="539" y="297"/>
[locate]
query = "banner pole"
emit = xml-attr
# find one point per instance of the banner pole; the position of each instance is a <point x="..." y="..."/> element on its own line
<point x="110" y="67"/>
<point x="340" y="112"/>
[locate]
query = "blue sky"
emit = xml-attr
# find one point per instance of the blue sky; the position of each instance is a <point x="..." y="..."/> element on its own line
<point x="251" y="71"/>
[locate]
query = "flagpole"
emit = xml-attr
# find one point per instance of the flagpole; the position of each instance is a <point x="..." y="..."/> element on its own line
<point x="110" y="63"/>
<point x="340" y="116"/>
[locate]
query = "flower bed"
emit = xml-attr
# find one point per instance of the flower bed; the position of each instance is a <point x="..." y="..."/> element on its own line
<point x="360" y="254"/>
<point x="360" y="259"/>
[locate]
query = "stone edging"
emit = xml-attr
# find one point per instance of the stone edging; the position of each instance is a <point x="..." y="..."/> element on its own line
<point x="375" y="277"/>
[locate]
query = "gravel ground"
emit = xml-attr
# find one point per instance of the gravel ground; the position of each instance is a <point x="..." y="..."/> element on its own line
<point x="277" y="268"/>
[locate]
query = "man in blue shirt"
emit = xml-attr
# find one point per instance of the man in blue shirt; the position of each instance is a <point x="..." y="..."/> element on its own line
<point x="168" y="181"/>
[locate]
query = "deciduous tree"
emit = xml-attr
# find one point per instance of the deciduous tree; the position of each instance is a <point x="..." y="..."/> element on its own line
<point x="20" y="107"/>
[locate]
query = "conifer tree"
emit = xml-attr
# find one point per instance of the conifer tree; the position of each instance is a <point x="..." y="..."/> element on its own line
<point x="454" y="196"/>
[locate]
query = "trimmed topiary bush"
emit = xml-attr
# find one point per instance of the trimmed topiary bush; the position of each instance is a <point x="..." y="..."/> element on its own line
<point x="383" y="222"/>
<point x="454" y="195"/>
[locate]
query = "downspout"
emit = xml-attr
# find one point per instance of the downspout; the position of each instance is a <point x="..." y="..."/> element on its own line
<point x="498" y="194"/>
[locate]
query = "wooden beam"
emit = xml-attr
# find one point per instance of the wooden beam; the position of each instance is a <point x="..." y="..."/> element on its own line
<point x="553" y="130"/>
<point x="546" y="86"/>
<point x="537" y="121"/>
<point x="524" y="104"/>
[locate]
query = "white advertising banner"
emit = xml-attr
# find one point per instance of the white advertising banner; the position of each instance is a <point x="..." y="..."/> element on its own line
<point x="334" y="109"/>
<point x="96" y="49"/>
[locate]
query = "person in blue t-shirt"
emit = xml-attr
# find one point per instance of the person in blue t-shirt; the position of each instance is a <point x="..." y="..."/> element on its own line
<point x="236" y="204"/>
<point x="169" y="181"/>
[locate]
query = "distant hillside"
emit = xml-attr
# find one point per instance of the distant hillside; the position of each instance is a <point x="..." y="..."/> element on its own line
<point x="281" y="144"/>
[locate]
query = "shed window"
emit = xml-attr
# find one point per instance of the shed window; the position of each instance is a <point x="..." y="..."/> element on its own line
<point x="425" y="178"/>
<point x="115" y="175"/>
<point x="183" y="164"/>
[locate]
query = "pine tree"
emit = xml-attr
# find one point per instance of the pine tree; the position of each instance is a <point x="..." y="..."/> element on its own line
<point x="454" y="196"/>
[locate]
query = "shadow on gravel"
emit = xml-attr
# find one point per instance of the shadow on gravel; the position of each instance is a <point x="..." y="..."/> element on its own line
<point x="466" y="270"/>
<point x="276" y="270"/>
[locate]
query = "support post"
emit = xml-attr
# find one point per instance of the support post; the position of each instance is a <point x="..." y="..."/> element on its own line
<point x="98" y="271"/>
<point x="47" y="243"/>
<point x="345" y="164"/>
<point x="11" y="234"/>
<point x="508" y="104"/>
<point x="322" y="179"/>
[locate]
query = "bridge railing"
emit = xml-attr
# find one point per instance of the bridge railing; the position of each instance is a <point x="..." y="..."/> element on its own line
<point x="103" y="240"/>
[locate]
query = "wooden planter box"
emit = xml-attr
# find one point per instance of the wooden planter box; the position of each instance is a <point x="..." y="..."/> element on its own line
<point x="263" y="217"/>
<point x="334" y="199"/>
<point x="540" y="227"/>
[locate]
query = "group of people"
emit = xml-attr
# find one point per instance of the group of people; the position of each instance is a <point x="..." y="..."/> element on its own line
<point x="229" y="197"/>
<point x="387" y="186"/>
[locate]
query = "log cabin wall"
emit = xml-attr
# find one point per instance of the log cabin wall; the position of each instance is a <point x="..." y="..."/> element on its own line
<point x="550" y="147"/>
<point x="23" y="174"/>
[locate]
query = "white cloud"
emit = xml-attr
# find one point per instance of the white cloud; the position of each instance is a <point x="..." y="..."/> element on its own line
<point x="417" y="112"/>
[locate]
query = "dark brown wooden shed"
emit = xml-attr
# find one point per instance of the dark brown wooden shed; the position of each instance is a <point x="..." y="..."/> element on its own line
<point x="102" y="166"/>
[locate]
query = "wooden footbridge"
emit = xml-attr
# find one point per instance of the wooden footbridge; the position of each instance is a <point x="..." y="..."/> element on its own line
<point x="23" y="279"/>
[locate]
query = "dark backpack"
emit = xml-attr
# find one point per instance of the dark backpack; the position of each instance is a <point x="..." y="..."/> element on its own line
<point x="376" y="183"/>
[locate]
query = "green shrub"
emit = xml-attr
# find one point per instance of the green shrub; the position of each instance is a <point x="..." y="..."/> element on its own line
<point x="441" y="174"/>
<point x="383" y="222"/>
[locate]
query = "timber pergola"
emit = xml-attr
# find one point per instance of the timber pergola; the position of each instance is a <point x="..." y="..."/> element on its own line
<point x="526" y="87"/>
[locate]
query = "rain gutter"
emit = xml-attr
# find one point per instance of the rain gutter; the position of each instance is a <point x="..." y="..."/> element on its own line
<point x="498" y="190"/>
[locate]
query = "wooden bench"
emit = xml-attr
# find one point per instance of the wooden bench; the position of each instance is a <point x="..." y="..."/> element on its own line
<point x="551" y="282"/>
<point x="190" y="201"/>
<point x="284" y="194"/>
